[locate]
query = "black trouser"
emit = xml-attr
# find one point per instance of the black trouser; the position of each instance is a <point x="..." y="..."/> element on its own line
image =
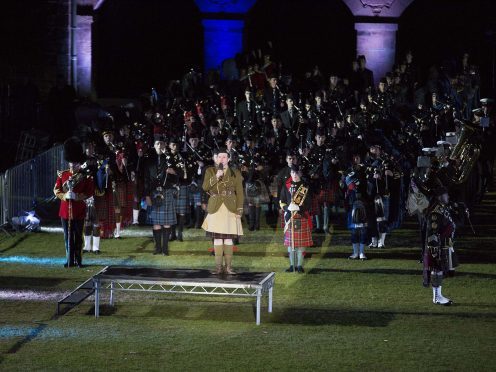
<point x="73" y="241"/>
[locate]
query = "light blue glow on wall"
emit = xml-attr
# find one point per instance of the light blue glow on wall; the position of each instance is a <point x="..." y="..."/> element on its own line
<point x="225" y="6"/>
<point x="222" y="40"/>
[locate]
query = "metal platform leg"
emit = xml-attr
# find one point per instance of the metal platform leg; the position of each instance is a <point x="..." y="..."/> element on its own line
<point x="270" y="299"/>
<point x="97" y="298"/>
<point x="111" y="293"/>
<point x="259" y="296"/>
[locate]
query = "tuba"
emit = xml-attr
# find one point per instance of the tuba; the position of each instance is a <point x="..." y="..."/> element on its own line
<point x="464" y="154"/>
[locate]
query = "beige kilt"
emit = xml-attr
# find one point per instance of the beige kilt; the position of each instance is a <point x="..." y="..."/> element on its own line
<point x="223" y="222"/>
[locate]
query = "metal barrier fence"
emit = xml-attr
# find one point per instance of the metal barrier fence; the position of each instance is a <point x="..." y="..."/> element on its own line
<point x="30" y="182"/>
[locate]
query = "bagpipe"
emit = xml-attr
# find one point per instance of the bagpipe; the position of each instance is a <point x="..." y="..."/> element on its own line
<point x="101" y="177"/>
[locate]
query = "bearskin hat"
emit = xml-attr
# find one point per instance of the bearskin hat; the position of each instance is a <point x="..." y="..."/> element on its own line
<point x="73" y="151"/>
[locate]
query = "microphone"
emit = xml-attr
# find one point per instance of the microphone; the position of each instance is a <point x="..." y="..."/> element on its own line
<point x="220" y="167"/>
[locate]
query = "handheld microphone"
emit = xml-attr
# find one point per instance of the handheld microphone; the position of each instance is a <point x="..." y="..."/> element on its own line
<point x="220" y="167"/>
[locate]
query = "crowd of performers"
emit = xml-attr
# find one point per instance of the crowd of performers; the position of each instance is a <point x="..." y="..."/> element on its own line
<point x="209" y="150"/>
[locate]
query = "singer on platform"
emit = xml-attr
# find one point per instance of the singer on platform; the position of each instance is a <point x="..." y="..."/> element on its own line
<point x="224" y="186"/>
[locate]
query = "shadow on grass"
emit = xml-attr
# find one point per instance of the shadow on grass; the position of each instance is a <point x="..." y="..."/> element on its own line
<point x="397" y="272"/>
<point x="15" y="242"/>
<point x="105" y="310"/>
<point x="33" y="334"/>
<point x="316" y="317"/>
<point x="244" y="313"/>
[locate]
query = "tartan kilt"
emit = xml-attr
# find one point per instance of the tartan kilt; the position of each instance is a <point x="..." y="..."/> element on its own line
<point x="164" y="214"/>
<point x="196" y="198"/>
<point x="183" y="200"/>
<point x="105" y="213"/>
<point x="120" y="195"/>
<point x="302" y="233"/>
<point x="326" y="195"/>
<point x="259" y="199"/>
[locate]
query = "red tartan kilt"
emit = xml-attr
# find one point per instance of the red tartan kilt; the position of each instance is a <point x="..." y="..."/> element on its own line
<point x="104" y="206"/>
<point x="325" y="196"/>
<point x="302" y="235"/>
<point x="120" y="194"/>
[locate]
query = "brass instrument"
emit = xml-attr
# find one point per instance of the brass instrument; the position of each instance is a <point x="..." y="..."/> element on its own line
<point x="465" y="153"/>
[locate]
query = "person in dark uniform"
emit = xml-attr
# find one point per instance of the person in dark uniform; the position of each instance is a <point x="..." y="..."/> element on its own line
<point x="439" y="257"/>
<point x="178" y="164"/>
<point x="273" y="96"/>
<point x="72" y="187"/>
<point x="160" y="195"/>
<point x="247" y="114"/>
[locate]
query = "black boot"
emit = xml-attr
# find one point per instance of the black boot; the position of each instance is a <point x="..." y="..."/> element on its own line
<point x="251" y="217"/>
<point x="190" y="220"/>
<point x="172" y="231"/>
<point x="78" y="259"/>
<point x="180" y="228"/>
<point x="258" y="211"/>
<point x="198" y="217"/>
<point x="157" y="236"/>
<point x="166" y="231"/>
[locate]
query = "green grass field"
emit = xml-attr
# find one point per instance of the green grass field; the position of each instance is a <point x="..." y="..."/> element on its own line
<point x="339" y="315"/>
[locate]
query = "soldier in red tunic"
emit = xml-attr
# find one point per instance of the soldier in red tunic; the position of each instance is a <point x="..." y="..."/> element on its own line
<point x="72" y="187"/>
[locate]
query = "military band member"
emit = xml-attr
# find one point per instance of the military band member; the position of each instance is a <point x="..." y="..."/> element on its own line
<point x="114" y="195"/>
<point x="296" y="204"/>
<point x="247" y="114"/>
<point x="378" y="192"/>
<point x="91" y="223"/>
<point x="178" y="171"/>
<point x="196" y="159"/>
<point x="439" y="257"/>
<point x="273" y="97"/>
<point x="318" y="172"/>
<point x="225" y="208"/>
<point x="252" y="167"/>
<point x="233" y="152"/>
<point x="72" y="187"/>
<point x="291" y="121"/>
<point x="160" y="195"/>
<point x="356" y="194"/>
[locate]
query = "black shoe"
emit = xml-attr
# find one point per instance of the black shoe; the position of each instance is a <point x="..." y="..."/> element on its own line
<point x="97" y="252"/>
<point x="85" y="251"/>
<point x="290" y="269"/>
<point x="80" y="265"/>
<point x="156" y="252"/>
<point x="165" y="253"/>
<point x="172" y="237"/>
<point x="180" y="237"/>
<point x="300" y="269"/>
